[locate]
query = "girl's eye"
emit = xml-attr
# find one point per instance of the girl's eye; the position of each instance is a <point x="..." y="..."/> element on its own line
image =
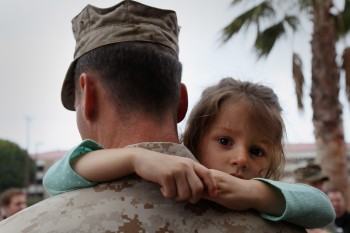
<point x="225" y="141"/>
<point x="256" y="152"/>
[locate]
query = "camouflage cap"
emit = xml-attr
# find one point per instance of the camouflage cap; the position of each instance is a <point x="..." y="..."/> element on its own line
<point x="127" y="21"/>
<point x="310" y="173"/>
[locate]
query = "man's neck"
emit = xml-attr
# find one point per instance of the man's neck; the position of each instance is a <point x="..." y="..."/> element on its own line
<point x="120" y="135"/>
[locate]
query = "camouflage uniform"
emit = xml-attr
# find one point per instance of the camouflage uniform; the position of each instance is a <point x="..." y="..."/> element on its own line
<point x="132" y="204"/>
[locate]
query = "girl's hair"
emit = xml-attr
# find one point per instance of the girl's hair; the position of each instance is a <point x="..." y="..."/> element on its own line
<point x="263" y="106"/>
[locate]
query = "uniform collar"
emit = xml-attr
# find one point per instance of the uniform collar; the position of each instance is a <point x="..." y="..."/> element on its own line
<point x="166" y="148"/>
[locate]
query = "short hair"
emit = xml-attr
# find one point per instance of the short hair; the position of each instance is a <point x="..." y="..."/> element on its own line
<point x="264" y="108"/>
<point x="138" y="76"/>
<point x="8" y="194"/>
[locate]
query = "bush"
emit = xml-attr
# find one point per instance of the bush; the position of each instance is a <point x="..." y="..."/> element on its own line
<point x="13" y="161"/>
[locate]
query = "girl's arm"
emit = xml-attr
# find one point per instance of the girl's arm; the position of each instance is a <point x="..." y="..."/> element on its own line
<point x="61" y="178"/>
<point x="180" y="178"/>
<point x="299" y="204"/>
<point x="89" y="164"/>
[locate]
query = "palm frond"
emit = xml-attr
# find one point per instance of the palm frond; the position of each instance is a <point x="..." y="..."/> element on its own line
<point x="292" y="21"/>
<point x="266" y="39"/>
<point x="251" y="16"/>
<point x="346" y="67"/>
<point x="236" y="2"/>
<point x="342" y="20"/>
<point x="305" y="5"/>
<point x="298" y="78"/>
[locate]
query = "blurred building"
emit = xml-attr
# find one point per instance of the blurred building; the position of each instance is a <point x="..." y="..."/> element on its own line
<point x="43" y="162"/>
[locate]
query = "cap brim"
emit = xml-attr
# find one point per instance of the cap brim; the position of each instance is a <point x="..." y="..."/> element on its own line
<point x="68" y="90"/>
<point x="317" y="178"/>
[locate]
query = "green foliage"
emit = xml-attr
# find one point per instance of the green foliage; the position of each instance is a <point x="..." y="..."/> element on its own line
<point x="292" y="21"/>
<point x="305" y="4"/>
<point x="342" y="20"/>
<point x="280" y="18"/>
<point x="13" y="165"/>
<point x="298" y="78"/>
<point x="266" y="39"/>
<point x="277" y="26"/>
<point x="247" y="18"/>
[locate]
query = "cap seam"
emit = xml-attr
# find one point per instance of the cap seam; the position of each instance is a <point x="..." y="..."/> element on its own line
<point x="128" y="10"/>
<point x="116" y="41"/>
<point x="113" y="25"/>
<point x="88" y="14"/>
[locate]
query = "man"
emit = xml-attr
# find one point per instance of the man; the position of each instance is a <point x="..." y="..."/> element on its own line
<point x="12" y="201"/>
<point x="342" y="216"/>
<point x="125" y="86"/>
<point x="311" y="175"/>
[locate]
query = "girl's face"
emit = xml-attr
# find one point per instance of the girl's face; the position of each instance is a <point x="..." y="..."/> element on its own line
<point x="233" y="145"/>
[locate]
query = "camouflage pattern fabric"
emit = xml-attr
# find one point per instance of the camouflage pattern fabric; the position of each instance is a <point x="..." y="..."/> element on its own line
<point x="131" y="205"/>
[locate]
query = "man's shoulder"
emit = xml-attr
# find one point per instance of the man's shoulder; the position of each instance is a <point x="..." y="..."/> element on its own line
<point x="133" y="205"/>
<point x="169" y="148"/>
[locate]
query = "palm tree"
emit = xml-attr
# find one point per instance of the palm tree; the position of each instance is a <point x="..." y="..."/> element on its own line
<point x="273" y="19"/>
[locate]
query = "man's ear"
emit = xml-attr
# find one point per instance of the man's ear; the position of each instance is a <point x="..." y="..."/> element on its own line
<point x="183" y="104"/>
<point x="88" y="96"/>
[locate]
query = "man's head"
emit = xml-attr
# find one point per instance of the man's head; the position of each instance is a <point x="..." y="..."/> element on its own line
<point x="13" y="200"/>
<point x="126" y="61"/>
<point x="312" y="175"/>
<point x="338" y="201"/>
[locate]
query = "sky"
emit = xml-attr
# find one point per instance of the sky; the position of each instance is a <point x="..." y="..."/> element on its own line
<point x="37" y="45"/>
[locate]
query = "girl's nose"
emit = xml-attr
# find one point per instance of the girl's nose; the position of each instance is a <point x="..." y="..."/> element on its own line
<point x="240" y="158"/>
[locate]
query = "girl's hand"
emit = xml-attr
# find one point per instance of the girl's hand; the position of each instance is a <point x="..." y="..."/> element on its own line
<point x="240" y="194"/>
<point x="181" y="178"/>
<point x="232" y="192"/>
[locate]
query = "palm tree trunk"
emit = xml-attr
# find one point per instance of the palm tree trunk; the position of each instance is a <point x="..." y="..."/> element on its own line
<point x="327" y="109"/>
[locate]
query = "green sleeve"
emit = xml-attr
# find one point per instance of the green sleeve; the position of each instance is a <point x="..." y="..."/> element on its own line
<point x="61" y="177"/>
<point x="305" y="205"/>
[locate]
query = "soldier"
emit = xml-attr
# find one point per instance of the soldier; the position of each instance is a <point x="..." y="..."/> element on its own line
<point x="125" y="86"/>
<point x="312" y="175"/>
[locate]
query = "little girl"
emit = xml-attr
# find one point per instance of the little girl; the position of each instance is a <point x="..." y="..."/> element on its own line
<point x="236" y="130"/>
